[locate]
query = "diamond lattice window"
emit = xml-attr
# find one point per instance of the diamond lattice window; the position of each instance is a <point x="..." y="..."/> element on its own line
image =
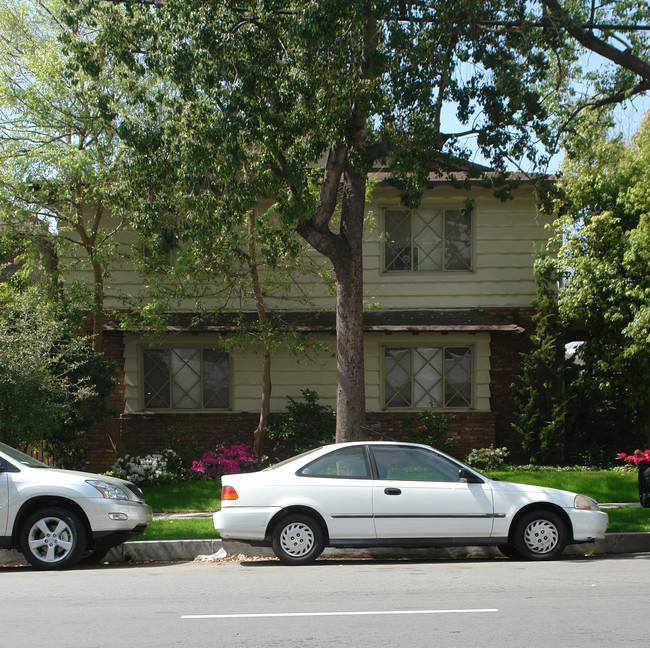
<point x="421" y="377"/>
<point x="186" y="378"/>
<point x="428" y="240"/>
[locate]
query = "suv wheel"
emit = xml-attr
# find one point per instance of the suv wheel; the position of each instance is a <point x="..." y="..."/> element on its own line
<point x="52" y="538"/>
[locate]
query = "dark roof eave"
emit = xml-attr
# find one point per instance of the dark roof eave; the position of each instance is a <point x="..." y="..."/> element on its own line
<point x="417" y="321"/>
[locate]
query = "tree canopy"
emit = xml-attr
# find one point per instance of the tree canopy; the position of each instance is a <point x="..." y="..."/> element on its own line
<point x="605" y="258"/>
<point x="59" y="150"/>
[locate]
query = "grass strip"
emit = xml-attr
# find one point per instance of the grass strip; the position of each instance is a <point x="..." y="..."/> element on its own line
<point x="180" y="529"/>
<point x="628" y="520"/>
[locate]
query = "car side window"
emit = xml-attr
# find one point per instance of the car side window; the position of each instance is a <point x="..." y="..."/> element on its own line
<point x="346" y="463"/>
<point x="413" y="464"/>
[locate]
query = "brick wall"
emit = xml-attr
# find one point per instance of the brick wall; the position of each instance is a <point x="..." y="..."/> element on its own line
<point x="505" y="359"/>
<point x="467" y="430"/>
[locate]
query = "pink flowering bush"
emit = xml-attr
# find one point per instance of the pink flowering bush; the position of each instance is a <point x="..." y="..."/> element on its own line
<point x="225" y="460"/>
<point x="633" y="459"/>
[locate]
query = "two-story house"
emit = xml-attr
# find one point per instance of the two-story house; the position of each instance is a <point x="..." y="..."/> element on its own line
<point x="451" y="291"/>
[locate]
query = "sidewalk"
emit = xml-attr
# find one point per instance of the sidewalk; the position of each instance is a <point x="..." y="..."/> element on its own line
<point x="214" y="549"/>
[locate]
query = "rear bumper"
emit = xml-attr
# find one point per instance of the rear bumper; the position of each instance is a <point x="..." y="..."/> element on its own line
<point x="244" y="523"/>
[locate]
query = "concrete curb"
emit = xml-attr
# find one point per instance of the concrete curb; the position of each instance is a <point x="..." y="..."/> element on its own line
<point x="188" y="550"/>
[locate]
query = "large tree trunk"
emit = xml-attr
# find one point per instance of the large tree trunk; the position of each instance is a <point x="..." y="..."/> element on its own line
<point x="348" y="265"/>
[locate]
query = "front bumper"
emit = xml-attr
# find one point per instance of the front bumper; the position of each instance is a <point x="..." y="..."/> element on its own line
<point x="588" y="525"/>
<point x="108" y="539"/>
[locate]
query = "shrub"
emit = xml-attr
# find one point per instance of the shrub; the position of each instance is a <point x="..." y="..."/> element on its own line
<point x="306" y="425"/>
<point x="486" y="458"/>
<point x="225" y="460"/>
<point x="632" y="461"/>
<point x="152" y="468"/>
<point x="430" y="429"/>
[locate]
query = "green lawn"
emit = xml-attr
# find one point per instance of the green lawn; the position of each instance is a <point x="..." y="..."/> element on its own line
<point x="205" y="496"/>
<point x="178" y="497"/>
<point x="602" y="485"/>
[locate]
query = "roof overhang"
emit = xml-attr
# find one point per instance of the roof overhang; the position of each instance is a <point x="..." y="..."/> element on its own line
<point x="381" y="321"/>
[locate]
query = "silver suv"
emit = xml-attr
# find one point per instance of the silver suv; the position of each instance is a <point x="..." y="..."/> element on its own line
<point x="58" y="518"/>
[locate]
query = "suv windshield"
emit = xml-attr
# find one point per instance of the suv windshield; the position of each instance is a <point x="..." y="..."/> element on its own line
<point x="21" y="457"/>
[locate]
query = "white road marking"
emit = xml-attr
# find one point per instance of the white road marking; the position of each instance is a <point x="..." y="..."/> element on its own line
<point x="323" y="614"/>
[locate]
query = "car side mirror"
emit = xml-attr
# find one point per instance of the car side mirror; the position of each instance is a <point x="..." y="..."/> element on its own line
<point x="465" y="475"/>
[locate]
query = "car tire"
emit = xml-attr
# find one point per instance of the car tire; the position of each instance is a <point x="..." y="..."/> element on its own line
<point x="508" y="551"/>
<point x="94" y="556"/>
<point x="298" y="540"/>
<point x="540" y="535"/>
<point x="53" y="538"/>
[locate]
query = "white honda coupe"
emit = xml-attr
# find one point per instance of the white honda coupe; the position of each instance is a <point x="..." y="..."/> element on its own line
<point x="382" y="494"/>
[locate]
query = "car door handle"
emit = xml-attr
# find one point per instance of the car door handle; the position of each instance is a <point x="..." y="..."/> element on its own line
<point x="392" y="491"/>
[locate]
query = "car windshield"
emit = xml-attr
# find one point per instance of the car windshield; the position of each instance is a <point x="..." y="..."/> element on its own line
<point x="21" y="457"/>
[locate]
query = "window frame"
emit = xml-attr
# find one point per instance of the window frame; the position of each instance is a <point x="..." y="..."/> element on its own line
<point x="427" y="209"/>
<point x="171" y="347"/>
<point x="305" y="470"/>
<point x="411" y="346"/>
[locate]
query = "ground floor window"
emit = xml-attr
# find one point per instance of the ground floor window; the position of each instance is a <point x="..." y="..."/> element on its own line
<point x="420" y="376"/>
<point x="186" y="378"/>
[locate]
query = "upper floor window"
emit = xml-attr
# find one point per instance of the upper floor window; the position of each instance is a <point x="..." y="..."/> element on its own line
<point x="425" y="376"/>
<point x="186" y="378"/>
<point x="428" y="240"/>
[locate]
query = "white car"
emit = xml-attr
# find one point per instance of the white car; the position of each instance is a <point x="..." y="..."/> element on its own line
<point x="58" y="518"/>
<point x="381" y="494"/>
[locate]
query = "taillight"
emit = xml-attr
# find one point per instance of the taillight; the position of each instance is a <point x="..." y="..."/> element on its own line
<point x="228" y="493"/>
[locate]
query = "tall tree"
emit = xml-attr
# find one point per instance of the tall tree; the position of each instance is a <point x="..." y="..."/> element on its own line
<point x="539" y="394"/>
<point x="59" y="152"/>
<point x="605" y="259"/>
<point x="308" y="97"/>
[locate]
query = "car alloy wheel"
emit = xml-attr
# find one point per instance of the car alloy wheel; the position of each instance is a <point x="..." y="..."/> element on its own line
<point x="540" y="535"/>
<point x="52" y="538"/>
<point x="297" y="540"/>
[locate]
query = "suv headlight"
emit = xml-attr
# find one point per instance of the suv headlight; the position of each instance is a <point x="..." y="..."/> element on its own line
<point x="109" y="491"/>
<point x="585" y="503"/>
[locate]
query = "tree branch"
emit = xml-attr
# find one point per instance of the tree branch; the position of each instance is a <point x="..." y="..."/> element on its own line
<point x="589" y="40"/>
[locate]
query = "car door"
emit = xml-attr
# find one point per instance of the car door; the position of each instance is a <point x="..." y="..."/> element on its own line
<point x="339" y="485"/>
<point x="419" y="494"/>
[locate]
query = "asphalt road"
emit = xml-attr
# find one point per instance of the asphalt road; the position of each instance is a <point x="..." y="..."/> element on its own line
<point x="479" y="603"/>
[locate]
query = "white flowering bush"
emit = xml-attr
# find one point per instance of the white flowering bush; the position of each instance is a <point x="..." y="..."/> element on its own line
<point x="486" y="458"/>
<point x="151" y="468"/>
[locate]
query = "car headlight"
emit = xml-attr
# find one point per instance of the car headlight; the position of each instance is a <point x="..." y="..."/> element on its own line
<point x="109" y="491"/>
<point x="585" y="503"/>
